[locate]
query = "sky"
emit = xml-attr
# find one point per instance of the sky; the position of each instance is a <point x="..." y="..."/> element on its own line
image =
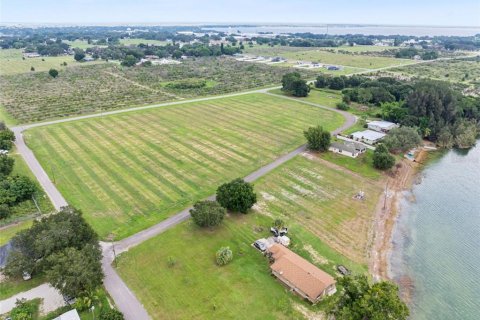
<point x="404" y="12"/>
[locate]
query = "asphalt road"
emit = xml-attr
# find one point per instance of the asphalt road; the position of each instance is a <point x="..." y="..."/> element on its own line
<point x="124" y="299"/>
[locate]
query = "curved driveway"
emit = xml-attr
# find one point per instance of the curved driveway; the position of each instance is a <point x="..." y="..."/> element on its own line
<point x="124" y="299"/>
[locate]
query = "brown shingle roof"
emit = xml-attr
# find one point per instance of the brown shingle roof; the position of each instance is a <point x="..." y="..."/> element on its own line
<point x="299" y="272"/>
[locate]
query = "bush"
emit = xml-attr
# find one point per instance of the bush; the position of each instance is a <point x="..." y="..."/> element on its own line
<point x="24" y="310"/>
<point x="187" y="84"/>
<point x="317" y="138"/>
<point x="343" y="106"/>
<point x="6" y="165"/>
<point x="236" y="196"/>
<point x="53" y="73"/>
<point x="4" y="211"/>
<point x="382" y="159"/>
<point x="110" y="314"/>
<point x="207" y="213"/>
<point x="224" y="256"/>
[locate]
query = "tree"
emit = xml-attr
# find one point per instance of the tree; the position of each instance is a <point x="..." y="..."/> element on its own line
<point x="402" y="139"/>
<point x="53" y="234"/>
<point x="6" y="165"/>
<point x="293" y="84"/>
<point x="382" y="159"/>
<point x="79" y="55"/>
<point x="4" y="211"/>
<point x="224" y="256"/>
<point x="465" y="134"/>
<point x="317" y="138"/>
<point x="177" y="54"/>
<point x="207" y="213"/>
<point x="236" y="196"/>
<point x="129" y="60"/>
<point x="358" y="300"/>
<point x="6" y="138"/>
<point x="75" y="272"/>
<point x="32" y="69"/>
<point x="53" y="73"/>
<point x="337" y="83"/>
<point x="322" y="81"/>
<point x="343" y="106"/>
<point x="110" y="314"/>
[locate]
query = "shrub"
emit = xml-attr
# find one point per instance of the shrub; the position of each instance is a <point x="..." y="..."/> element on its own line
<point x="207" y="213"/>
<point x="236" y="196"/>
<point x="224" y="256"/>
<point x="4" y="211"/>
<point x="53" y="73"/>
<point x="6" y="165"/>
<point x="343" y="106"/>
<point x="110" y="314"/>
<point x="24" y="310"/>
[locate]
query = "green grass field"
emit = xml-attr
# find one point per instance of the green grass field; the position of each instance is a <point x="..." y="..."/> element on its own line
<point x="8" y="232"/>
<point x="319" y="197"/>
<point x="11" y="62"/>
<point x="324" y="97"/>
<point x="137" y="41"/>
<point x="81" y="44"/>
<point x="194" y="287"/>
<point x="361" y="48"/>
<point x="127" y="172"/>
<point x="362" y="165"/>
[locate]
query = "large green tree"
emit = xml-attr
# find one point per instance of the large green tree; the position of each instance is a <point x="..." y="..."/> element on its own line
<point x="75" y="272"/>
<point x="293" y="84"/>
<point x="207" y="213"/>
<point x="402" y="139"/>
<point x="6" y="165"/>
<point x="382" y="159"/>
<point x="360" y="300"/>
<point x="317" y="138"/>
<point x="236" y="196"/>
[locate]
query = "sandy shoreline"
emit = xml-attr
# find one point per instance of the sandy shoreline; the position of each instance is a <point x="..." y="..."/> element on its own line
<point x="386" y="212"/>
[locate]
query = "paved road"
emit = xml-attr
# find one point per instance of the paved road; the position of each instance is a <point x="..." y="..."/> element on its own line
<point x="52" y="299"/>
<point x="124" y="299"/>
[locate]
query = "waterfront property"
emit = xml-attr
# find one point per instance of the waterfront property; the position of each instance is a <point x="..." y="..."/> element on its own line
<point x="368" y="136"/>
<point x="299" y="275"/>
<point x="382" y="126"/>
<point x="350" y="149"/>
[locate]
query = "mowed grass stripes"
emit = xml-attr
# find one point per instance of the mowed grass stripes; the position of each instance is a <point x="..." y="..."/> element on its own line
<point x="129" y="171"/>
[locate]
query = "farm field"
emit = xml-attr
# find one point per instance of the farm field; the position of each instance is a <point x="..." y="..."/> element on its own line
<point x="465" y="71"/>
<point x="11" y="63"/>
<point x="175" y="276"/>
<point x="319" y="196"/>
<point x="106" y="87"/>
<point x="129" y="171"/>
<point x="137" y="41"/>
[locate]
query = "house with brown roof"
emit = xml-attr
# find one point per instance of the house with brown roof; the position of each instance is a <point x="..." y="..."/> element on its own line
<point x="299" y="275"/>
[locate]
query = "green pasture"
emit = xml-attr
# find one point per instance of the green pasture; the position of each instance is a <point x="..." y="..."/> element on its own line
<point x="129" y="171"/>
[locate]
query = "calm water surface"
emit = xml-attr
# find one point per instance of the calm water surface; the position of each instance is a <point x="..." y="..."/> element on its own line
<point x="437" y="239"/>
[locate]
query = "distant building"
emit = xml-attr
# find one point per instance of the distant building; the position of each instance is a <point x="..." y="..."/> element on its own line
<point x="69" y="315"/>
<point x="350" y="149"/>
<point x="300" y="275"/>
<point x="31" y="55"/>
<point x="368" y="136"/>
<point x="381" y="126"/>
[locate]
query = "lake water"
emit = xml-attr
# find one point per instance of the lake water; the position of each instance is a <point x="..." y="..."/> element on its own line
<point x="359" y="29"/>
<point x="437" y="239"/>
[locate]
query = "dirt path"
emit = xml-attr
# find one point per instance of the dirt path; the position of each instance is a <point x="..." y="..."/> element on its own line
<point x="52" y="299"/>
<point x="386" y="213"/>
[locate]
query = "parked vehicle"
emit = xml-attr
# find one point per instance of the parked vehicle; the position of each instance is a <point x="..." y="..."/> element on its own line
<point x="26" y="276"/>
<point x="343" y="270"/>
<point x="260" y="245"/>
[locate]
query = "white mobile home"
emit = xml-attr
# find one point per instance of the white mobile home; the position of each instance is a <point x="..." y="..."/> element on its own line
<point x="368" y="136"/>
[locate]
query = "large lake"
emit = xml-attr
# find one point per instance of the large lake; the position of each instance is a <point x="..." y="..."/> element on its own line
<point x="359" y="29"/>
<point x="437" y="239"/>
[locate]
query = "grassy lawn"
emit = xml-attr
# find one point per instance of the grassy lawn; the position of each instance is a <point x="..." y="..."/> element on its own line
<point x="319" y="197"/>
<point x="81" y="44"/>
<point x="194" y="287"/>
<point x="362" y="165"/>
<point x="324" y="97"/>
<point x="7" y="233"/>
<point x="11" y="287"/>
<point x="11" y="62"/>
<point x="137" y="41"/>
<point x="361" y="48"/>
<point x="129" y="171"/>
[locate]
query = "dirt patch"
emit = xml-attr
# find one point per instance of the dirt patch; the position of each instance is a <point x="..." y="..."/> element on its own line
<point x="267" y="196"/>
<point x="308" y="314"/>
<point x="317" y="258"/>
<point x="261" y="207"/>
